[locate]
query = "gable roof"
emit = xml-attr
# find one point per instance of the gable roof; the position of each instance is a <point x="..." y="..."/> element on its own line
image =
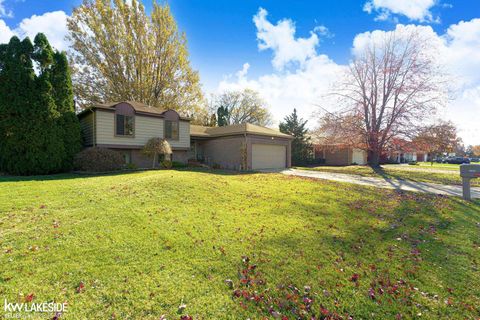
<point x="236" y="129"/>
<point x="140" y="108"/>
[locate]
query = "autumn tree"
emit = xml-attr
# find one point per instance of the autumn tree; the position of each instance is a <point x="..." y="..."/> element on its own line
<point x="236" y="107"/>
<point x="392" y="85"/>
<point x="438" y="138"/>
<point x="121" y="53"/>
<point x="476" y="150"/>
<point x="301" y="146"/>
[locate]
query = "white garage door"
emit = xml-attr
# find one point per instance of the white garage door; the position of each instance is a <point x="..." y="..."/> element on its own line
<point x="268" y="156"/>
<point x="357" y="156"/>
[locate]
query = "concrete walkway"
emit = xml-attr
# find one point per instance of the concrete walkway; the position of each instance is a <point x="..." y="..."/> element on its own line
<point x="407" y="185"/>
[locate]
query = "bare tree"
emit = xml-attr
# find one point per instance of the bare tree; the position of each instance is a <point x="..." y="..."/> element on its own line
<point x="236" y="107"/>
<point x="390" y="88"/>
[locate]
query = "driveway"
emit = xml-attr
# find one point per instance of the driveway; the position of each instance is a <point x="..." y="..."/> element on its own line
<point x="407" y="185"/>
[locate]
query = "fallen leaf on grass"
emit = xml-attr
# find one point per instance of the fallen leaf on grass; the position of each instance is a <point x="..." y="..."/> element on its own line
<point x="81" y="287"/>
<point x="29" y="297"/>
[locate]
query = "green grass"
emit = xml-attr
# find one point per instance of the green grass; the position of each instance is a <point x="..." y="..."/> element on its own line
<point x="443" y="166"/>
<point x="142" y="243"/>
<point x="413" y="173"/>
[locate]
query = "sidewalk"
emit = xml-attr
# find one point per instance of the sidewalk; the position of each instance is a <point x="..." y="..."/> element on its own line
<point x="406" y="185"/>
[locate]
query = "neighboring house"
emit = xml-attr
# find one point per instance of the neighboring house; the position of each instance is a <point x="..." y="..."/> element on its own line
<point x="339" y="155"/>
<point x="403" y="151"/>
<point x="127" y="126"/>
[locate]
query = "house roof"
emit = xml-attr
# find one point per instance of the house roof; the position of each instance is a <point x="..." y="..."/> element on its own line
<point x="402" y="145"/>
<point x="245" y="128"/>
<point x="137" y="106"/>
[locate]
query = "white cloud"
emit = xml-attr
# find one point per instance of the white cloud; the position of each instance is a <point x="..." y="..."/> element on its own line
<point x="418" y="10"/>
<point x="52" y="24"/>
<point x="283" y="91"/>
<point x="5" y="32"/>
<point x="307" y="84"/>
<point x="281" y="39"/>
<point x="4" y="12"/>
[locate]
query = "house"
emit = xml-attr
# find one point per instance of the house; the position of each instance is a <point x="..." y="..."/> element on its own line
<point x="339" y="155"/>
<point x="127" y="126"/>
<point x="403" y="151"/>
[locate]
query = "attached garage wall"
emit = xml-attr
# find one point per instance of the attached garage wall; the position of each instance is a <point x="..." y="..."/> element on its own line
<point x="224" y="152"/>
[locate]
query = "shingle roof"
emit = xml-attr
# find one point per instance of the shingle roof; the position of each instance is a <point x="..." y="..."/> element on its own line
<point x="138" y="106"/>
<point x="201" y="131"/>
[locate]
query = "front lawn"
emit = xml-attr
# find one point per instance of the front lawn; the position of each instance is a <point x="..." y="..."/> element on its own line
<point x="141" y="245"/>
<point x="404" y="172"/>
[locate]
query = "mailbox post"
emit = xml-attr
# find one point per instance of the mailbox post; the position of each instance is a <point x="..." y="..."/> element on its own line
<point x="468" y="172"/>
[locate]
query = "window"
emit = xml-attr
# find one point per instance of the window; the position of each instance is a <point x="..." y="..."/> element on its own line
<point x="127" y="157"/>
<point x="124" y="125"/>
<point x="171" y="129"/>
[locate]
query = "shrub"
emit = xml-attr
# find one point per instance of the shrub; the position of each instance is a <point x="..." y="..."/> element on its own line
<point x="98" y="159"/>
<point x="176" y="164"/>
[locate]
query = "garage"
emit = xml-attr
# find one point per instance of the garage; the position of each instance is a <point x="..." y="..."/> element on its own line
<point x="269" y="156"/>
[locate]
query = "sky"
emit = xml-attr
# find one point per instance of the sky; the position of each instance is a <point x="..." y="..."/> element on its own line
<point x="293" y="51"/>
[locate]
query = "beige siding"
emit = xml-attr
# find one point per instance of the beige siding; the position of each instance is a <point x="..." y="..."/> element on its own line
<point x="145" y="128"/>
<point x="86" y="125"/>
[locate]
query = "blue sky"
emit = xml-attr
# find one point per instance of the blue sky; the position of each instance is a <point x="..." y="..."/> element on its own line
<point x="222" y="39"/>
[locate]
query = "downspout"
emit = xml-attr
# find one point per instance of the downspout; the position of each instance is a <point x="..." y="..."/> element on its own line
<point x="94" y="127"/>
<point x="246" y="152"/>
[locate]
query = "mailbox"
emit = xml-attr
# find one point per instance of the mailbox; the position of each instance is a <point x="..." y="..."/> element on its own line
<point x="468" y="172"/>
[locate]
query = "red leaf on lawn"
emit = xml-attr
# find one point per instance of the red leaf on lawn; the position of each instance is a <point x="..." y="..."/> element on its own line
<point x="371" y="293"/>
<point x="29" y="297"/>
<point x="187" y="317"/>
<point x="81" y="287"/>
<point x="324" y="311"/>
<point x="355" y="277"/>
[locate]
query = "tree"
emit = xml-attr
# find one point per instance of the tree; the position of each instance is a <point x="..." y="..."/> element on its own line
<point x="236" y="107"/>
<point x="223" y="116"/>
<point x="476" y="150"/>
<point x="33" y="139"/>
<point x="63" y="94"/>
<point x="121" y="54"/>
<point x="301" y="146"/>
<point x="390" y="88"/>
<point x="438" y="138"/>
<point x="155" y="147"/>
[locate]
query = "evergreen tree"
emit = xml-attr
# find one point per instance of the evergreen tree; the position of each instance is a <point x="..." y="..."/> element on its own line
<point x="16" y="99"/>
<point x="47" y="133"/>
<point x="61" y="81"/>
<point x="222" y="116"/>
<point x="34" y="115"/>
<point x="301" y="146"/>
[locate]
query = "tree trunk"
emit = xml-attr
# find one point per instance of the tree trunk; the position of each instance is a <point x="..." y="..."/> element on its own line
<point x="374" y="158"/>
<point x="154" y="158"/>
